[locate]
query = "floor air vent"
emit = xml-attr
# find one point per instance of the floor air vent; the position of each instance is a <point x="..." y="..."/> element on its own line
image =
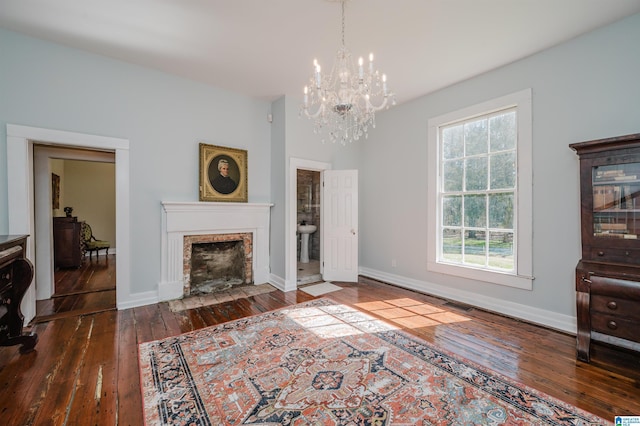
<point x="459" y="306"/>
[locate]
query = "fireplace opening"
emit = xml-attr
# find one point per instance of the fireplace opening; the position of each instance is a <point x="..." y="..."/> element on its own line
<point x="217" y="266"/>
<point x="216" y="262"/>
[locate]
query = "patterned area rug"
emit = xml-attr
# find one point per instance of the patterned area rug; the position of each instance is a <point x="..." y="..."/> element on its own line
<point x="321" y="363"/>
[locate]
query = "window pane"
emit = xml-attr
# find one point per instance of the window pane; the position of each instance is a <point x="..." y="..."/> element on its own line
<point x="475" y="137"/>
<point x="503" y="170"/>
<point x="452" y="211"/>
<point x="452" y="245"/>
<point x="452" y="142"/>
<point x="501" y="211"/>
<point x="453" y="172"/>
<point x="475" y="211"/>
<point x="501" y="250"/>
<point x="477" y="174"/>
<point x="475" y="247"/>
<point x="503" y="131"/>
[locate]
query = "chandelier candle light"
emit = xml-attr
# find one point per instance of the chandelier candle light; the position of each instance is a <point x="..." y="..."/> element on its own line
<point x="345" y="101"/>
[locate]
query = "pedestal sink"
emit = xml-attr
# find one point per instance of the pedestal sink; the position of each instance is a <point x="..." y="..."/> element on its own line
<point x="305" y="231"/>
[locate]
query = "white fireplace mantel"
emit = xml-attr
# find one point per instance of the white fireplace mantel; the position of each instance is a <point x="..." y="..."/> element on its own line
<point x="203" y="218"/>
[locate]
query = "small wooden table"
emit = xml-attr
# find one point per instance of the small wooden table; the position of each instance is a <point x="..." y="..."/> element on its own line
<point x="16" y="273"/>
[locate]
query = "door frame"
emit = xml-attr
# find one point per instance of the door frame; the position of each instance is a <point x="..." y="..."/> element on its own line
<point x="20" y="183"/>
<point x="291" y="263"/>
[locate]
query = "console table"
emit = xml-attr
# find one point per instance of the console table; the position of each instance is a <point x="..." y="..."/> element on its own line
<point x="16" y="273"/>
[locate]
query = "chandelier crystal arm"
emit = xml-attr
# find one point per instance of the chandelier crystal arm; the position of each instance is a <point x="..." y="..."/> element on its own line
<point x="344" y="101"/>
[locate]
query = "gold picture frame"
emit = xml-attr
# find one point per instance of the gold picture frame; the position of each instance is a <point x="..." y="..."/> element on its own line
<point x="223" y="174"/>
<point x="55" y="191"/>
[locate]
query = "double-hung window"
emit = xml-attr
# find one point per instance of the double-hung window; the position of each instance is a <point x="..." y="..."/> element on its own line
<point x="480" y="191"/>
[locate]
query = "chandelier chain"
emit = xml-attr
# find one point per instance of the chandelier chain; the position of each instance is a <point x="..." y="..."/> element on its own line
<point x="343" y="2"/>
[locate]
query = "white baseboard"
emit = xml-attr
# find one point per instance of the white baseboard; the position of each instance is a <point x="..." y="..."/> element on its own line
<point x="281" y="284"/>
<point x="139" y="299"/>
<point x="539" y="316"/>
<point x="277" y="282"/>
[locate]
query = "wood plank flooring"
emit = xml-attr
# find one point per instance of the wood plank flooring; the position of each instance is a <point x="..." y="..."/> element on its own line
<point x="91" y="288"/>
<point x="85" y="367"/>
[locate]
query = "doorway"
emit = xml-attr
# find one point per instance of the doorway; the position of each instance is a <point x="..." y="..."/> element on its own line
<point x="20" y="167"/>
<point x="338" y="222"/>
<point x="81" y="185"/>
<point x="293" y="238"/>
<point x="308" y="219"/>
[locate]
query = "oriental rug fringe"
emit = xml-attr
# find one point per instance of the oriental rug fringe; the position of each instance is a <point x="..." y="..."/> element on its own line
<point x="322" y="363"/>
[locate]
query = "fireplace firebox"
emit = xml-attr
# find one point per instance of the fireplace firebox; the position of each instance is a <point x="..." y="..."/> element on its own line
<point x="217" y="262"/>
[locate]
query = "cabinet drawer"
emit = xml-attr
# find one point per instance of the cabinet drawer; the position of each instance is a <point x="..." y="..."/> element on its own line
<point x="616" y="255"/>
<point x="615" y="287"/>
<point x="615" y="326"/>
<point x="608" y="305"/>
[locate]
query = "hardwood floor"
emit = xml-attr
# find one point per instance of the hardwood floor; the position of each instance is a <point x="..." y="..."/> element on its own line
<point x="91" y="288"/>
<point x="85" y="368"/>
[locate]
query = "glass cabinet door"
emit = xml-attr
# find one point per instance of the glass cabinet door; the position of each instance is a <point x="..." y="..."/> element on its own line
<point x="616" y="206"/>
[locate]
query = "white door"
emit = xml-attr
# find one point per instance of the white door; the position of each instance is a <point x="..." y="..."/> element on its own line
<point x="340" y="225"/>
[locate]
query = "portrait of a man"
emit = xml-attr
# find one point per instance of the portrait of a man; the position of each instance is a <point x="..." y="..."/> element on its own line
<point x="220" y="179"/>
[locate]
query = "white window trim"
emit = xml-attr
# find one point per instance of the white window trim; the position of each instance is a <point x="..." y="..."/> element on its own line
<point x="523" y="276"/>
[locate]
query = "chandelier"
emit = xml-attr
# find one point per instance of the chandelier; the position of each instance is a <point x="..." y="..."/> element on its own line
<point x="344" y="102"/>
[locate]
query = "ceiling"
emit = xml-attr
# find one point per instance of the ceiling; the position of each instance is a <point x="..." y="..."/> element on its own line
<point x="265" y="48"/>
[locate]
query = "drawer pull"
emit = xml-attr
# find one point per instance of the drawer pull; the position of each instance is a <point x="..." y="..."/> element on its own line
<point x="612" y="325"/>
<point x="600" y="253"/>
<point x="612" y="305"/>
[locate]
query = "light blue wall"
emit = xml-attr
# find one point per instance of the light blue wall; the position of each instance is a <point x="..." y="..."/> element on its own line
<point x="582" y="90"/>
<point x="164" y="118"/>
<point x="278" y="193"/>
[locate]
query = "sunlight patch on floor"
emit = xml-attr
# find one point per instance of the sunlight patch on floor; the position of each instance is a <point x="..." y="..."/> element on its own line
<point x="410" y="313"/>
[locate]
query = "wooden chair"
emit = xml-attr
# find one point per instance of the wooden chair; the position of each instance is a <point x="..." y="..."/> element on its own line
<point x="92" y="244"/>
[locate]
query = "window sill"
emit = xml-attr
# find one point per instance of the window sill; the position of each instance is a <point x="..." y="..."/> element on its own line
<point x="510" y="280"/>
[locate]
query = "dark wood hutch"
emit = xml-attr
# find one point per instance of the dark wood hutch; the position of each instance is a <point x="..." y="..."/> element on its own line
<point x="68" y="248"/>
<point x="608" y="275"/>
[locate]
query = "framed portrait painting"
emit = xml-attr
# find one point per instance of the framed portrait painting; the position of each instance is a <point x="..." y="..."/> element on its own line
<point x="223" y="174"/>
<point x="55" y="191"/>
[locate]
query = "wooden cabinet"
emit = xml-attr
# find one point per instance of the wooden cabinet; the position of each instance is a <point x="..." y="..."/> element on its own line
<point x="67" y="242"/>
<point x="16" y="274"/>
<point x="608" y="275"/>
